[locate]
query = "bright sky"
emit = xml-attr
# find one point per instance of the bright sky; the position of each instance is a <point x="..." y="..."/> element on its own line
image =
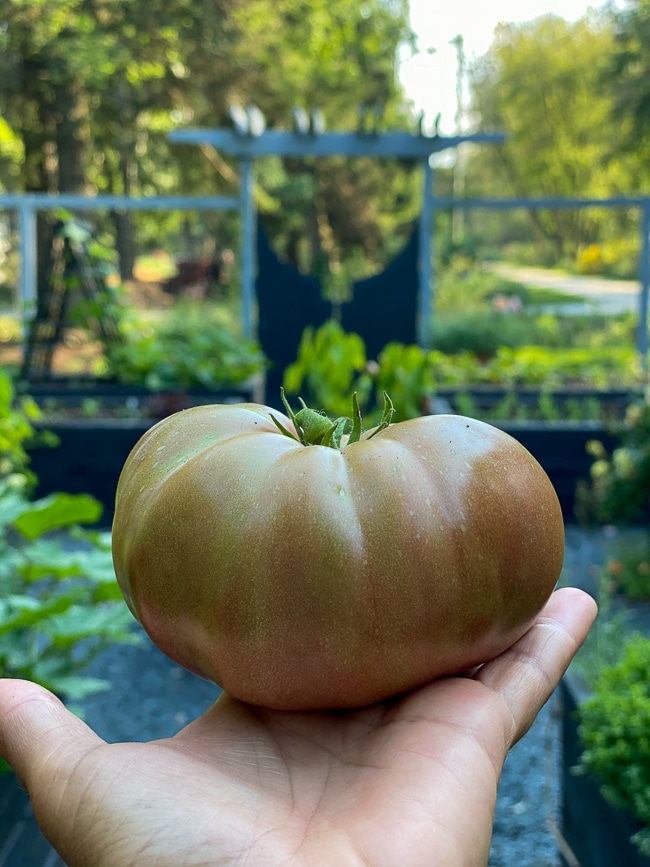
<point x="430" y="76"/>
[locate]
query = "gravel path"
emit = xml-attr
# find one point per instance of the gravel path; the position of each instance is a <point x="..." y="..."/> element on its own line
<point x="594" y="293"/>
<point x="152" y="698"/>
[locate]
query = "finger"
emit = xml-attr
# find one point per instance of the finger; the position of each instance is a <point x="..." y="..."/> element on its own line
<point x="526" y="674"/>
<point x="38" y="735"/>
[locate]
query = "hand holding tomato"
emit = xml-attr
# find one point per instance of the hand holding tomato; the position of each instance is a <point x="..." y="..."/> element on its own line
<point x="393" y="784"/>
<point x="301" y="570"/>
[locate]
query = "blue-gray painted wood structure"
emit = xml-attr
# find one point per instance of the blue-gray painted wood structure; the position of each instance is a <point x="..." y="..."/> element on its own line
<point x="250" y="141"/>
<point x="27" y="206"/>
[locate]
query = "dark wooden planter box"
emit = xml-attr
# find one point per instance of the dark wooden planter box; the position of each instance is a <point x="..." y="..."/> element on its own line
<point x="92" y="451"/>
<point x="88" y="459"/>
<point x="487" y="397"/>
<point x="597" y="834"/>
<point x="73" y="393"/>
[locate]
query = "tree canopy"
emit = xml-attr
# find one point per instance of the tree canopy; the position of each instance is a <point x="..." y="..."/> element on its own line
<point x="90" y="89"/>
<point x="548" y="85"/>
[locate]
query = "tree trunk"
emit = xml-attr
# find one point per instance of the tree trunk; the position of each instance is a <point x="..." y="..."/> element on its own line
<point x="71" y="131"/>
<point x="122" y="220"/>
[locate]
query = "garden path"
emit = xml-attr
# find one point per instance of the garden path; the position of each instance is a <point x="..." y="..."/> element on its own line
<point x="594" y="294"/>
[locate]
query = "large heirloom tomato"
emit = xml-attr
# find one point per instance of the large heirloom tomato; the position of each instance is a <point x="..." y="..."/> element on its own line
<point x="329" y="576"/>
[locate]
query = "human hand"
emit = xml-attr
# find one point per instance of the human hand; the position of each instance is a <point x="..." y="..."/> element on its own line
<point x="410" y="782"/>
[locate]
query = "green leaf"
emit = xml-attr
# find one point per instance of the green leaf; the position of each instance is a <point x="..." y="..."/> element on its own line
<point x="56" y="511"/>
<point x="20" y="612"/>
<point x="78" y="623"/>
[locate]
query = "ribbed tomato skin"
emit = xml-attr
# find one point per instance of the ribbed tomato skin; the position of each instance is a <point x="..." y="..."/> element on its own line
<point x="305" y="577"/>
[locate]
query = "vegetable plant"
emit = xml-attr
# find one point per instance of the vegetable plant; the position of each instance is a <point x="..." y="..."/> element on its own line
<point x="615" y="730"/>
<point x="302" y="562"/>
<point x="618" y="491"/>
<point x="188" y="348"/>
<point x="59" y="602"/>
<point x="330" y="364"/>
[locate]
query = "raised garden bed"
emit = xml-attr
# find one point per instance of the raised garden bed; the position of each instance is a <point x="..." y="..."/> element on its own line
<point x="570" y="404"/>
<point x="597" y="834"/>
<point x="72" y="398"/>
<point x="97" y="423"/>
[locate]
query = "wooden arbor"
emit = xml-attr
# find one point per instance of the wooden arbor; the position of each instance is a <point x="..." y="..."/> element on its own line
<point x="249" y="139"/>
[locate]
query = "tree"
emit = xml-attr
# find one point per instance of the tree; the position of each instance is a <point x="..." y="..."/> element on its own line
<point x="91" y="89"/>
<point x="542" y="83"/>
<point x="628" y="72"/>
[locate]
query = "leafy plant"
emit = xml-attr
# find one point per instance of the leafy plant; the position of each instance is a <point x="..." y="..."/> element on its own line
<point x="619" y="487"/>
<point x="17" y="415"/>
<point x="330" y="365"/>
<point x="59" y="602"/>
<point x="405" y="373"/>
<point x="189" y="347"/>
<point x="615" y="731"/>
<point x="603" y="367"/>
<point x="84" y="262"/>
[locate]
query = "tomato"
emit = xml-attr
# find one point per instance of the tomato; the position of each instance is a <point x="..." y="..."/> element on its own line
<point x="330" y="576"/>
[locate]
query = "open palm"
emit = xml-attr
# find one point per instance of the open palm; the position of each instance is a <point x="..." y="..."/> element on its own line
<point x="410" y="782"/>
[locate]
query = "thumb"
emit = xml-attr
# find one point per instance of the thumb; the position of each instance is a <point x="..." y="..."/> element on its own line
<point x="38" y="735"/>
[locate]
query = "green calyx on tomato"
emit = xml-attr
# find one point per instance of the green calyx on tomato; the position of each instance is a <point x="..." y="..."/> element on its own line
<point x="317" y="429"/>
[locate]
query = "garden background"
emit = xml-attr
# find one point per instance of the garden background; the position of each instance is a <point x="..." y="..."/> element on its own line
<point x="89" y="93"/>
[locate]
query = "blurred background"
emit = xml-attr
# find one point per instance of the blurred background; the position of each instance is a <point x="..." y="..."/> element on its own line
<point x="538" y="321"/>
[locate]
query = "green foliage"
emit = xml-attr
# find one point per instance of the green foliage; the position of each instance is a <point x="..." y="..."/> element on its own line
<point x="190" y="347"/>
<point x="605" y="367"/>
<point x="59" y="602"/>
<point x="615" y="731"/>
<point x="477" y="310"/>
<point x="85" y="258"/>
<point x="330" y="366"/>
<point x="544" y="83"/>
<point x="479" y="331"/>
<point x="115" y="78"/>
<point x="462" y="286"/>
<point x="16" y="428"/>
<point x="619" y="487"/>
<point x="627" y="72"/>
<point x="539" y="366"/>
<point x="406" y="375"/>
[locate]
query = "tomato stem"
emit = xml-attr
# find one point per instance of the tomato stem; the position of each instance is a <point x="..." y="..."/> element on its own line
<point x="314" y="428"/>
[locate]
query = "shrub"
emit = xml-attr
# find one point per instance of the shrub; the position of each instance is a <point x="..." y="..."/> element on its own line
<point x="188" y="348"/>
<point x="60" y="604"/>
<point x="618" y="490"/>
<point x="615" y="731"/>
<point x="478" y="331"/>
